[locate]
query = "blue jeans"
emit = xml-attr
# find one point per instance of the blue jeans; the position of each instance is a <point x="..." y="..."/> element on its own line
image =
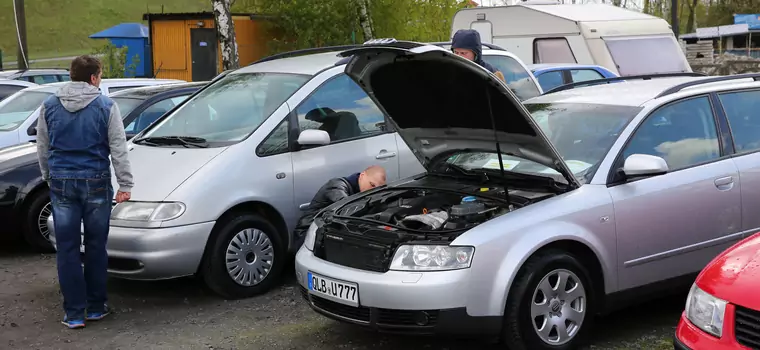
<point x="75" y="201"/>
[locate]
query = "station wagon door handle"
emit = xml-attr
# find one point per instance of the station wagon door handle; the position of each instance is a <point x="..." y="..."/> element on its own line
<point x="724" y="183"/>
<point x="385" y="154"/>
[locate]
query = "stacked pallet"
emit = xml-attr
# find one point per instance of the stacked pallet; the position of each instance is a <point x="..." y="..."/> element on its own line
<point x="700" y="53"/>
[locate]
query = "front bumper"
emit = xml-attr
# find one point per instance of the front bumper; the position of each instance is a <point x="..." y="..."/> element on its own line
<point x="689" y="337"/>
<point x="399" y="302"/>
<point x="153" y="254"/>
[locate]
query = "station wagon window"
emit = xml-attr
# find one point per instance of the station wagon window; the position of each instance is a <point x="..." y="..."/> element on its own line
<point x="151" y="114"/>
<point x="579" y="75"/>
<point x="550" y="80"/>
<point x="342" y="109"/>
<point x="743" y="118"/>
<point x="646" y="55"/>
<point x="231" y="108"/>
<point x="44" y="79"/>
<point x="682" y="133"/>
<point x="15" y="109"/>
<point x="515" y="75"/>
<point x="552" y="50"/>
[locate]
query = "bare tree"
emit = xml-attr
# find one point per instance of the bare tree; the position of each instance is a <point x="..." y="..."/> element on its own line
<point x="365" y="19"/>
<point x="225" y="27"/>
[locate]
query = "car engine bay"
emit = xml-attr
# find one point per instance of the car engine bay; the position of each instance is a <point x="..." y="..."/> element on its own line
<point x="436" y="210"/>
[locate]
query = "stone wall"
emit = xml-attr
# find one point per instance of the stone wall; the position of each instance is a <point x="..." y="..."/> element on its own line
<point x="702" y="58"/>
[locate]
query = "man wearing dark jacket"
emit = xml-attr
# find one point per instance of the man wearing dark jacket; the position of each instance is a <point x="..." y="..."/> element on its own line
<point x="466" y="43"/>
<point x="79" y="135"/>
<point x="338" y="188"/>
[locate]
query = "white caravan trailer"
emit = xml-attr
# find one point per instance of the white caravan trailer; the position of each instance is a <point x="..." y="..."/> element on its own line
<point x="624" y="41"/>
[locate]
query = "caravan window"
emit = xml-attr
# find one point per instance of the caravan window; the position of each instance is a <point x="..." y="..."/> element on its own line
<point x="552" y="50"/>
<point x="646" y="55"/>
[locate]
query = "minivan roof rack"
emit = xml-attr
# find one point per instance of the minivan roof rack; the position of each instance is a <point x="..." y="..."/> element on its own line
<point x="679" y="87"/>
<point x="309" y="51"/>
<point x="488" y="46"/>
<point x="630" y="77"/>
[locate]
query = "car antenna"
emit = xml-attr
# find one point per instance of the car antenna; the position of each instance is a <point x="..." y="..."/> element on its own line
<point x="498" y="148"/>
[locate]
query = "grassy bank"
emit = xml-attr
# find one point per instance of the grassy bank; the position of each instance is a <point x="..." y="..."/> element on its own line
<point x="58" y="28"/>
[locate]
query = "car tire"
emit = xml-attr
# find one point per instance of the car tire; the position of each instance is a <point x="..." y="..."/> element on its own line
<point x="526" y="299"/>
<point x="253" y="242"/>
<point x="35" y="222"/>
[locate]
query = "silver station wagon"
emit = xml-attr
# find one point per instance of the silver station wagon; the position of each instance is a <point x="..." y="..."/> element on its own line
<point x="531" y="219"/>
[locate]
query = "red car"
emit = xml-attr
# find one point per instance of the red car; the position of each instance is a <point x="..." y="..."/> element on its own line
<point x="723" y="306"/>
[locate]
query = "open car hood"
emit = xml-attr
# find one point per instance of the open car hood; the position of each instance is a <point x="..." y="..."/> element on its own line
<point x="440" y="103"/>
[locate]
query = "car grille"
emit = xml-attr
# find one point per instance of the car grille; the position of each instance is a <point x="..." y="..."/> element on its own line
<point x="747" y="327"/>
<point x="369" y="251"/>
<point x="377" y="316"/>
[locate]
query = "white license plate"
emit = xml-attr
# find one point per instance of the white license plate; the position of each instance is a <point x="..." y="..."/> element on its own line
<point x="339" y="291"/>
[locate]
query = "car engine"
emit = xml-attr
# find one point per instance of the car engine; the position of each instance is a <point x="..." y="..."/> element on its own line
<point x="428" y="210"/>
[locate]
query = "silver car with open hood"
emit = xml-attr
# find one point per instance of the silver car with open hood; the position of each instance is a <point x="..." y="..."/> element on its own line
<point x="531" y="218"/>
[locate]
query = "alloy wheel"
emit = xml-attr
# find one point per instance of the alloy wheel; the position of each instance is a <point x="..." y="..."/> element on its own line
<point x="42" y="225"/>
<point x="558" y="307"/>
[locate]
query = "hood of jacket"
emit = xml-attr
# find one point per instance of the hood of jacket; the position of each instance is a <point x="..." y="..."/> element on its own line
<point x="470" y="39"/>
<point x="76" y="95"/>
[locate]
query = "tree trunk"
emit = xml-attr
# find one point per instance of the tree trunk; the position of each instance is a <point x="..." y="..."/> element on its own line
<point x="692" y="15"/>
<point x="225" y="27"/>
<point x="365" y="20"/>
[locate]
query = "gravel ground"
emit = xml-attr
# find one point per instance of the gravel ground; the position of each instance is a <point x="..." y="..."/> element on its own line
<point x="180" y="314"/>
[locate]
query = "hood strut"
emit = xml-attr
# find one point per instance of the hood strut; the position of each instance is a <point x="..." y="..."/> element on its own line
<point x="498" y="148"/>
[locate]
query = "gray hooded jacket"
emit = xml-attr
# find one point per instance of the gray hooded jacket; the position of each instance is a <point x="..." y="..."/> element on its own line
<point x="75" y="96"/>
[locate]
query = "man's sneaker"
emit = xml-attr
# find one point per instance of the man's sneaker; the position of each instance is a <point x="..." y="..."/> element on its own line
<point x="73" y="324"/>
<point x="97" y="316"/>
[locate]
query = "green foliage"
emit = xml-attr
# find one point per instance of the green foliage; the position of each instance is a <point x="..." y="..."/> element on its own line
<point x="115" y="61"/>
<point x="299" y="24"/>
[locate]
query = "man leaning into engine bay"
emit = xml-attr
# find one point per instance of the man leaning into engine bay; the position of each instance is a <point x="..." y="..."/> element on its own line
<point x="338" y="188"/>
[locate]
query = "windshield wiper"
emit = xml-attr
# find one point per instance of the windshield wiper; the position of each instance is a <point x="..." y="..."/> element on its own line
<point x="185" y="141"/>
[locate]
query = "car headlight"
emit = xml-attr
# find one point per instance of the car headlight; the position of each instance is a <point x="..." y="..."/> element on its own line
<point x="147" y="211"/>
<point x="705" y="311"/>
<point x="311" y="236"/>
<point x="431" y="258"/>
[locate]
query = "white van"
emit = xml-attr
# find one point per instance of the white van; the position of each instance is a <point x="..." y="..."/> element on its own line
<point x="624" y="41"/>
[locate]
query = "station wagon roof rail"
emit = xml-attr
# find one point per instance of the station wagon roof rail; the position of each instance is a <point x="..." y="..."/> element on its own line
<point x="679" y="87"/>
<point x="630" y="77"/>
<point x="303" y="52"/>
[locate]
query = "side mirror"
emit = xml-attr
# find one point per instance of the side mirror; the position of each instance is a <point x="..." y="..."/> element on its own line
<point x="313" y="138"/>
<point x="638" y="165"/>
<point x="130" y="136"/>
<point x="32" y="131"/>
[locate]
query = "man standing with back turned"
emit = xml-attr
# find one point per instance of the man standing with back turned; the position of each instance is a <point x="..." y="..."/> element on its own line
<point x="77" y="130"/>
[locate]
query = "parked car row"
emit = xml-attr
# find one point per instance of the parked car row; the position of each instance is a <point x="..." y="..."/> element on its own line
<point x="25" y="202"/>
<point x="555" y="205"/>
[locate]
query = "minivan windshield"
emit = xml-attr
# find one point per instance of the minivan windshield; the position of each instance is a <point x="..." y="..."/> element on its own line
<point x="229" y="110"/>
<point x="16" y="108"/>
<point x="582" y="133"/>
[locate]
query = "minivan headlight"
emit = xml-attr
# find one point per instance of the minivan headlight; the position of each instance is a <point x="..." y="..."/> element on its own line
<point x="147" y="211"/>
<point x="431" y="258"/>
<point x="705" y="311"/>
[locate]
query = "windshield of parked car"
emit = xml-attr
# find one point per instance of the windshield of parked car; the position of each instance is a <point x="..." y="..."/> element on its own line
<point x="582" y="133"/>
<point x="16" y="108"/>
<point x="230" y="109"/>
<point x="126" y="104"/>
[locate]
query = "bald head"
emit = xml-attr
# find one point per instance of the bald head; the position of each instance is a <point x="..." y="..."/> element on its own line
<point x="371" y="177"/>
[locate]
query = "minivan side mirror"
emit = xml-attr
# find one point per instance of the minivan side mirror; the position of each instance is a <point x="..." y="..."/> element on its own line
<point x="642" y="165"/>
<point x="313" y="137"/>
<point x="32" y="131"/>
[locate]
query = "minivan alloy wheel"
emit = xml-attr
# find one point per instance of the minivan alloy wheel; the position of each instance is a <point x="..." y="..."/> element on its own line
<point x="558" y="307"/>
<point x="250" y="257"/>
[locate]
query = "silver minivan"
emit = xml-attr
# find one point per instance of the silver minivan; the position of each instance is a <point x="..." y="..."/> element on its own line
<point x="221" y="179"/>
